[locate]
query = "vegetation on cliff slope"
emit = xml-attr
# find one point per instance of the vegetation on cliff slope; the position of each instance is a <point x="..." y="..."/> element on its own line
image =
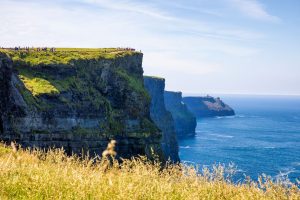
<point x="53" y="175"/>
<point x="134" y="83"/>
<point x="38" y="86"/>
<point x="38" y="83"/>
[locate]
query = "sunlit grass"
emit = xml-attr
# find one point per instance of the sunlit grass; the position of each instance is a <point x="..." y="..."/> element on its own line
<point x="65" y="55"/>
<point x="38" y="86"/>
<point x="53" y="175"/>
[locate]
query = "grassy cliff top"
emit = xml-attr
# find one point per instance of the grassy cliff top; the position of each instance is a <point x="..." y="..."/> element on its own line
<point x="155" y="77"/>
<point x="34" y="57"/>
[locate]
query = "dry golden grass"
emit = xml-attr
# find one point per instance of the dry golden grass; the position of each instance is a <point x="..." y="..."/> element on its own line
<point x="35" y="174"/>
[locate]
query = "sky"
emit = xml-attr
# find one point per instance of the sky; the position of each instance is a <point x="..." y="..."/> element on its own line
<point x="198" y="46"/>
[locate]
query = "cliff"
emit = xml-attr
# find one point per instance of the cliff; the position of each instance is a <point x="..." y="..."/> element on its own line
<point x="185" y="121"/>
<point x="78" y="99"/>
<point x="162" y="118"/>
<point x="207" y="106"/>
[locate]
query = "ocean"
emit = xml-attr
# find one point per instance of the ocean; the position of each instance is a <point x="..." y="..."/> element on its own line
<point x="263" y="137"/>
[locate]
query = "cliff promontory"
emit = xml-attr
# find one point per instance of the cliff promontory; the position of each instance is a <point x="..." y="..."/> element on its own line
<point x="208" y="106"/>
<point x="162" y="118"/>
<point x="78" y="99"/>
<point x="185" y="121"/>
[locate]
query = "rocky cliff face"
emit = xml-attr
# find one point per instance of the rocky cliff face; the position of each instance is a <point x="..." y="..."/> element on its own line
<point x="185" y="121"/>
<point x="207" y="106"/>
<point x="162" y="118"/>
<point x="79" y="105"/>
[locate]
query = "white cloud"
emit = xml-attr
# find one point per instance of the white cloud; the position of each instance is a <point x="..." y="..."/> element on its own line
<point x="253" y="9"/>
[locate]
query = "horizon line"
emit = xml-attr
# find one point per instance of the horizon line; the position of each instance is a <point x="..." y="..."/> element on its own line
<point x="239" y="94"/>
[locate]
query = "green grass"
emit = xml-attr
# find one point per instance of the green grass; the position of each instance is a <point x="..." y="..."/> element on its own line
<point x="134" y="83"/>
<point x="38" y="86"/>
<point x="65" y="55"/>
<point x="34" y="174"/>
<point x="155" y="77"/>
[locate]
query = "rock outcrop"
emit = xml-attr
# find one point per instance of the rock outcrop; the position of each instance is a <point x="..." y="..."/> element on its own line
<point x="208" y="106"/>
<point x="79" y="105"/>
<point x="185" y="121"/>
<point x="162" y="118"/>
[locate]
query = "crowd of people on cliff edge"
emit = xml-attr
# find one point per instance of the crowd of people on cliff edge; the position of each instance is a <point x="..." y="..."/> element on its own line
<point x="52" y="49"/>
<point x="38" y="49"/>
<point x="125" y="49"/>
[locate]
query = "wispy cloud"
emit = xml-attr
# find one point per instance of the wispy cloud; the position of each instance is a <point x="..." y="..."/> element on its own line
<point x="131" y="6"/>
<point x="253" y="9"/>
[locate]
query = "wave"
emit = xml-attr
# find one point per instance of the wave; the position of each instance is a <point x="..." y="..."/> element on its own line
<point x="249" y="148"/>
<point x="185" y="147"/>
<point x="202" y="123"/>
<point x="269" y="147"/>
<point x="221" y="136"/>
<point x="225" y="117"/>
<point x="188" y="162"/>
<point x="297" y="164"/>
<point x="240" y="171"/>
<point x="230" y="117"/>
<point x="285" y="172"/>
<point x="255" y="116"/>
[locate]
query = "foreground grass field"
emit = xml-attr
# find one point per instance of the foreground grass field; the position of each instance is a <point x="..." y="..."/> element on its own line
<point x="53" y="175"/>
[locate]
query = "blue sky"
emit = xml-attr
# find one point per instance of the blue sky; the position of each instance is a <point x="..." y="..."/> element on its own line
<point x="199" y="46"/>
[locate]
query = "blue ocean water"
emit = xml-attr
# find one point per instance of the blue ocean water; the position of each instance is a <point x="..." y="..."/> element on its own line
<point x="263" y="137"/>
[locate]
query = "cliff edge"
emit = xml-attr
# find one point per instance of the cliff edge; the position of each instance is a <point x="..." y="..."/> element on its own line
<point x="162" y="118"/>
<point x="185" y="121"/>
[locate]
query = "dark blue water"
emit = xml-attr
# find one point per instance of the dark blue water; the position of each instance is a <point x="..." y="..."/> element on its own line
<point x="263" y="137"/>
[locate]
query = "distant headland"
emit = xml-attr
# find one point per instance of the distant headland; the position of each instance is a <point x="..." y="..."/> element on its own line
<point x="208" y="106"/>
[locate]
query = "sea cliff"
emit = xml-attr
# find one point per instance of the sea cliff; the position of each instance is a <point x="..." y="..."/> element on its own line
<point x="185" y="121"/>
<point x="208" y="106"/>
<point x="78" y="99"/>
<point x="162" y="118"/>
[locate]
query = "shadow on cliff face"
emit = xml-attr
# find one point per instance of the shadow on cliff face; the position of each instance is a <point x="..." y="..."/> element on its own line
<point x="1" y="125"/>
